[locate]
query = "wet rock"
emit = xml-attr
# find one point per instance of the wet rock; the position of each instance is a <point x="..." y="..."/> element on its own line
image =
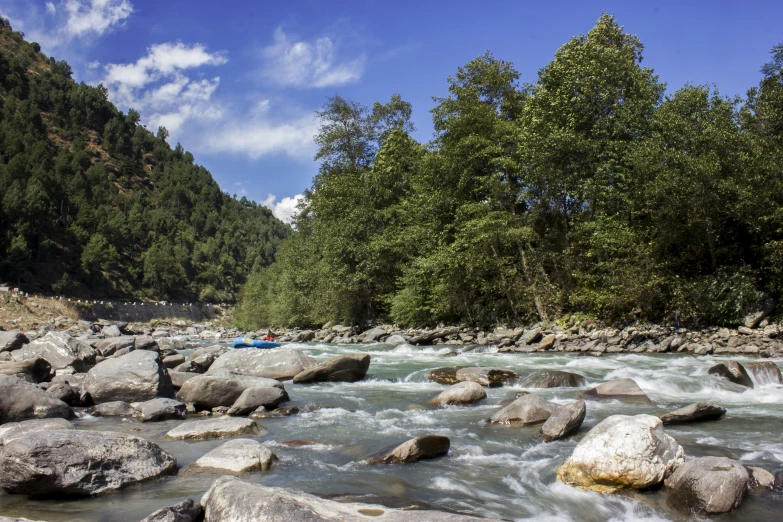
<point x="395" y="340"/>
<point x="233" y="500"/>
<point x="173" y="361"/>
<point x="444" y="375"/>
<point x="427" y="447"/>
<point x="530" y="336"/>
<point x="343" y="368"/>
<point x="178" y="379"/>
<point x="64" y="392"/>
<point x="112" y="409"/>
<point x="13" y="340"/>
<point x="460" y="393"/>
<point x="621" y="389"/>
<point x="79" y="462"/>
<point x="708" y="486"/>
<point x="622" y="452"/>
<point x="217" y="428"/>
<point x="732" y="371"/>
<point x="284" y="411"/>
<point x="700" y="411"/>
<point x="528" y="409"/>
<point x="159" y="409"/>
<point x="21" y="400"/>
<point x="238" y="456"/>
<point x="517" y="395"/>
<point x="279" y="363"/>
<point x="760" y="478"/>
<point x="765" y="372"/>
<point x="134" y="377"/>
<point x="565" y="421"/>
<point x="547" y="342"/>
<point x="12" y="430"/>
<point x="487" y="376"/>
<point x="372" y="335"/>
<point x="31" y="370"/>
<point x="108" y="347"/>
<point x="554" y="379"/>
<point x="253" y="398"/>
<point x="208" y="391"/>
<point x="185" y="511"/>
<point x="60" y="350"/>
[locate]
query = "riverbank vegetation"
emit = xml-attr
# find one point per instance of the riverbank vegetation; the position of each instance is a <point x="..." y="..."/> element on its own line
<point x="590" y="191"/>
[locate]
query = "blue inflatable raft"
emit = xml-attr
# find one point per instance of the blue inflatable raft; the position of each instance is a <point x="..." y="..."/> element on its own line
<point x="239" y="342"/>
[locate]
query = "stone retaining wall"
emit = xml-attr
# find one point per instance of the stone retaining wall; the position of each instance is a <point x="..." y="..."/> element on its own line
<point x="142" y="313"/>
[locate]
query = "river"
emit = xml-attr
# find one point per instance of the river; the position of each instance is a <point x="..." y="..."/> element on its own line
<point x="494" y="471"/>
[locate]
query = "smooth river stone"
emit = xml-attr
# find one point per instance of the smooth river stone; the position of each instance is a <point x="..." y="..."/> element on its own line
<point x="708" y="485"/>
<point x="700" y="411"/>
<point x="426" y="447"/>
<point x="217" y="428"/>
<point x="460" y="393"/>
<point x="528" y="409"/>
<point x="565" y="421"/>
<point x="620" y="389"/>
<point x="238" y="456"/>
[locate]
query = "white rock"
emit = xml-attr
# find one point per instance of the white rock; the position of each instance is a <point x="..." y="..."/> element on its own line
<point x="238" y="456"/>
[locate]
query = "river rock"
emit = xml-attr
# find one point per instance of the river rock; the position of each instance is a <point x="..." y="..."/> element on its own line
<point x="173" y="361"/>
<point x="134" y="377"/>
<point x="278" y="363"/>
<point x="350" y="367"/>
<point x="554" y="379"/>
<point x="13" y="340"/>
<point x="60" y="350"/>
<point x="708" y="485"/>
<point x="395" y="340"/>
<point x="238" y="456"/>
<point x="426" y="447"/>
<point x="760" y="478"/>
<point x="622" y="452"/>
<point x="733" y="372"/>
<point x="216" y="428"/>
<point x="253" y="398"/>
<point x="621" y="389"/>
<point x="12" y="430"/>
<point x="214" y="351"/>
<point x="111" y="331"/>
<point x="108" y="347"/>
<point x="372" y="335"/>
<point x="21" y="400"/>
<point x="79" y="462"/>
<point x="233" y="500"/>
<point x="487" y="376"/>
<point x="31" y="370"/>
<point x="531" y="336"/>
<point x="186" y="511"/>
<point x="565" y="421"/>
<point x="208" y="391"/>
<point x="528" y="409"/>
<point x="461" y="393"/>
<point x="700" y="411"/>
<point x="112" y="409"/>
<point x="66" y="393"/>
<point x="178" y="379"/>
<point x="446" y="375"/>
<point x="765" y="372"/>
<point x="762" y="308"/>
<point x="159" y="409"/>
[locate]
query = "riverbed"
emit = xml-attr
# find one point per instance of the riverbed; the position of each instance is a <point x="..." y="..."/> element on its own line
<point x="493" y="471"/>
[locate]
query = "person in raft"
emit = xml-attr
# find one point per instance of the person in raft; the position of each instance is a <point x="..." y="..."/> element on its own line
<point x="269" y="336"/>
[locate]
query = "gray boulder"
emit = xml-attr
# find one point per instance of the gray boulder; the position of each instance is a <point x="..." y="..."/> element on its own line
<point x="487" y="376"/>
<point x="172" y="361"/>
<point x="528" y="409"/>
<point x="215" y="351"/>
<point x="554" y="379"/>
<point x="700" y="411"/>
<point x="733" y="372"/>
<point x="372" y="335"/>
<point x="760" y="478"/>
<point x="426" y="447"/>
<point x="446" y="375"/>
<point x="238" y="456"/>
<point x="461" y="393"/>
<point x="765" y="372"/>
<point x="620" y="389"/>
<point x="31" y="370"/>
<point x="186" y="511"/>
<point x="79" y="462"/>
<point x="108" y="347"/>
<point x="279" y="363"/>
<point x="13" y="340"/>
<point x="159" y="409"/>
<point x="531" y="336"/>
<point x="563" y="422"/>
<point x="66" y="393"/>
<point x="133" y="377"/>
<point x="764" y="307"/>
<point x="112" y="409"/>
<point x="396" y="340"/>
<point x="708" y="486"/>
<point x="12" y="430"/>
<point x="253" y="398"/>
<point x="215" y="428"/>
<point x="20" y="400"/>
<point x="60" y="350"/>
<point x="209" y="391"/>
<point x="111" y="331"/>
<point x="350" y="367"/>
<point x="178" y="379"/>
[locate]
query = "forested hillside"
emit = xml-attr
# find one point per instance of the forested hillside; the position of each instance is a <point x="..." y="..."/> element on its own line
<point x="587" y="192"/>
<point x="93" y="204"/>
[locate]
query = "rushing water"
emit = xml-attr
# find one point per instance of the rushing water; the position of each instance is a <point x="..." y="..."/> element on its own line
<point x="494" y="471"/>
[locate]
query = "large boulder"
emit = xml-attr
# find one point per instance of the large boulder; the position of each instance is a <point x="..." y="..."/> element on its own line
<point x="763" y="307"/>
<point x="238" y="456"/>
<point x="554" y="379"/>
<point x="708" y="486"/>
<point x="112" y="409"/>
<point x="215" y="428"/>
<point x="233" y="500"/>
<point x="13" y="340"/>
<point x="461" y="393"/>
<point x="178" y="379"/>
<point x="12" y="430"/>
<point x="426" y="447"/>
<point x="620" y="389"/>
<point x="395" y="340"/>
<point x="20" y="400"/>
<point x="186" y="511"/>
<point x="487" y="376"/>
<point x="372" y="335"/>
<point x="527" y="409"/>
<point x="765" y="372"/>
<point x="700" y="411"/>
<point x="254" y="398"/>
<point x="208" y="391"/>
<point x="213" y="352"/>
<point x="159" y="409"/>
<point x="564" y="421"/>
<point x="79" y="462"/>
<point x="60" y="350"/>
<point x="350" y="367"/>
<point x="279" y="363"/>
<point x="108" y="347"/>
<point x="66" y="393"/>
<point x="446" y="375"/>
<point x="732" y="371"/>
<point x="133" y="377"/>
<point x="622" y="452"/>
<point x="31" y="370"/>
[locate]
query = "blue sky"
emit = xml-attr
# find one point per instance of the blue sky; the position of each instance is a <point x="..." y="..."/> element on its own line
<point x="237" y="82"/>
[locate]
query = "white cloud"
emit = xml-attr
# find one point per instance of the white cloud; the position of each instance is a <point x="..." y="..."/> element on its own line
<point x="93" y="16"/>
<point x="285" y="209"/>
<point x="309" y="64"/>
<point x="263" y="136"/>
<point x="50" y="8"/>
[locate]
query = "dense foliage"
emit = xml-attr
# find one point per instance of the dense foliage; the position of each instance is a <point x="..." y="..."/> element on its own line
<point x="93" y="203"/>
<point x="586" y="192"/>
